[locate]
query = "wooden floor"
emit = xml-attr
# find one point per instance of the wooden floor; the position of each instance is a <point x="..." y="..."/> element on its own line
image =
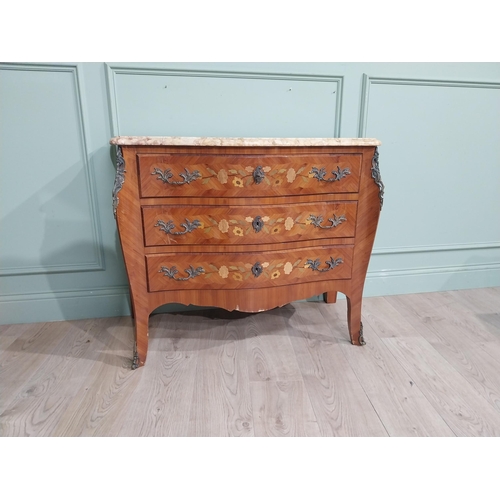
<point x="431" y="367"/>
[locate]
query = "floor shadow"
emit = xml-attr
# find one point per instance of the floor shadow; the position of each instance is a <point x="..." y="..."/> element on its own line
<point x="492" y="322"/>
<point x="107" y="340"/>
<point x="194" y="325"/>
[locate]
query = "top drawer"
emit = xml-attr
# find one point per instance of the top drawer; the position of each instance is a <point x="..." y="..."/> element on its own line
<point x="178" y="174"/>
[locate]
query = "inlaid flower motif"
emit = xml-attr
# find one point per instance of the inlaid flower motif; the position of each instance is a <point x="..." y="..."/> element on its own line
<point x="267" y="169"/>
<point x="249" y="169"/>
<point x="265" y="264"/>
<point x="201" y="225"/>
<point x="237" y="277"/>
<point x="308" y="221"/>
<point x="288" y="223"/>
<point x="277" y="182"/>
<point x="238" y="231"/>
<point x="275" y="230"/>
<point x="249" y="219"/>
<point x="223" y="272"/>
<point x="290" y="175"/>
<point x="222" y="176"/>
<point x="310" y="175"/>
<point x="265" y="218"/>
<point x="223" y="226"/>
<point x="288" y="268"/>
<point x="275" y="275"/>
<point x="238" y="182"/>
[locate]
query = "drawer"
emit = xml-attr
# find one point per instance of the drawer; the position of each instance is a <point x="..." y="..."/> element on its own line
<point x="164" y="175"/>
<point x="251" y="224"/>
<point x="247" y="270"/>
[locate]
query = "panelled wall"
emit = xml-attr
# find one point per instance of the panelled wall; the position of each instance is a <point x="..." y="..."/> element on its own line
<point x="440" y="161"/>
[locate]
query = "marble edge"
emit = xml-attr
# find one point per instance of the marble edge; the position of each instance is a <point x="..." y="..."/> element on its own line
<point x="239" y="141"/>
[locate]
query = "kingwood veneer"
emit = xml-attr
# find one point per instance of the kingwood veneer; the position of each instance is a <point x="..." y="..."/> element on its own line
<point x="245" y="224"/>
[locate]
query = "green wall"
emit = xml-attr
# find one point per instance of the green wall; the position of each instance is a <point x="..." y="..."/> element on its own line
<point x="439" y="124"/>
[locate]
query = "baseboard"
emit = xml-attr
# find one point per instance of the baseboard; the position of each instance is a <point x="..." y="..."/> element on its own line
<point x="438" y="279"/>
<point x="65" y="305"/>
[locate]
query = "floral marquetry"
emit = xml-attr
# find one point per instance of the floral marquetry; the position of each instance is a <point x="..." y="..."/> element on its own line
<point x="222" y="176"/>
<point x="291" y="175"/>
<point x="223" y="226"/>
<point x="250" y="269"/>
<point x="231" y="224"/>
<point x="233" y="175"/>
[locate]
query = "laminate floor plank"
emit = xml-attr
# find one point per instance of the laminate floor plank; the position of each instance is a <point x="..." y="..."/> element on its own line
<point x="340" y="403"/>
<point x="270" y="352"/>
<point x="385" y="319"/>
<point x="222" y="403"/>
<point x="401" y="406"/>
<point x="464" y="342"/>
<point x="422" y="315"/>
<point x="161" y="402"/>
<point x="480" y="300"/>
<point x="29" y="352"/>
<point x="484" y="304"/>
<point x="472" y="323"/>
<point x="491" y="321"/>
<point x="478" y="367"/>
<point x="456" y="328"/>
<point x="398" y="401"/>
<point x="335" y="321"/>
<point x="40" y="402"/>
<point x="282" y="409"/>
<point x="9" y="333"/>
<point x="4" y="328"/>
<point x="425" y="303"/>
<point x="106" y="390"/>
<point x="18" y="355"/>
<point x="454" y="398"/>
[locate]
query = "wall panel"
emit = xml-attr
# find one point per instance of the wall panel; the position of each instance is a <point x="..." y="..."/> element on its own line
<point x="441" y="153"/>
<point x="145" y="101"/>
<point x="49" y="215"/>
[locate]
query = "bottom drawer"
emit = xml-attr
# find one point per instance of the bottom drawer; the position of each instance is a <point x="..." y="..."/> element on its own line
<point x="247" y="270"/>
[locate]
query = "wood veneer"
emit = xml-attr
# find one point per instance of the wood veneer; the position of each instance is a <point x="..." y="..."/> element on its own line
<point x="297" y="253"/>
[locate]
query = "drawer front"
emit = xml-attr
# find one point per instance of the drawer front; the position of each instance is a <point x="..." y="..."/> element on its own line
<point x="247" y="270"/>
<point x="228" y="225"/>
<point x="247" y="175"/>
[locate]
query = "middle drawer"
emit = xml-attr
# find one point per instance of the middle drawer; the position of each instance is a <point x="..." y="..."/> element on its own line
<point x="249" y="224"/>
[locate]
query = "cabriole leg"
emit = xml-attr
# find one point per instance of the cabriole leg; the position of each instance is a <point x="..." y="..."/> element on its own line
<point x="354" y="320"/>
<point x="141" y="340"/>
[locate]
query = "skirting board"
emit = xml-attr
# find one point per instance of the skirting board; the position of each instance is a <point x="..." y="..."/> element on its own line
<point x="431" y="280"/>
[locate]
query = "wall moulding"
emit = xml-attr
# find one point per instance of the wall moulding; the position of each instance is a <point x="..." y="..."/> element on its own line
<point x="113" y="70"/>
<point x="436" y="248"/>
<point x="491" y="266"/>
<point x="91" y="188"/>
<point x="368" y="81"/>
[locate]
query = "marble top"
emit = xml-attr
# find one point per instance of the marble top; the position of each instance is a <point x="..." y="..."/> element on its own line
<point x="139" y="140"/>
